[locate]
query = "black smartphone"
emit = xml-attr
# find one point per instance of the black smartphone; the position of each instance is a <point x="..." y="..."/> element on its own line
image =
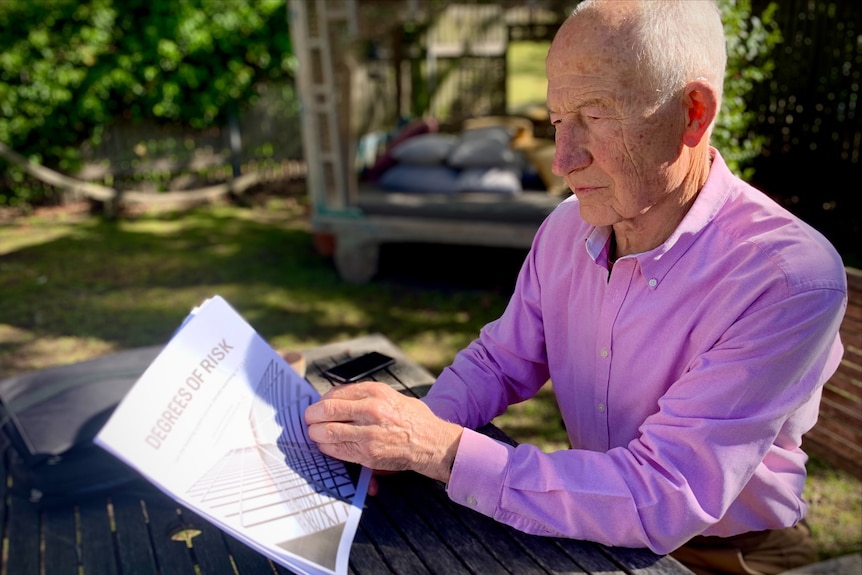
<point x="358" y="367"/>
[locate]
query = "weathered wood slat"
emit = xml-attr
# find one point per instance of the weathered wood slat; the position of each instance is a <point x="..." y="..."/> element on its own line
<point x="174" y="557"/>
<point x="391" y="547"/>
<point x="364" y="558"/>
<point x="470" y="551"/>
<point x="136" y="555"/>
<point x="418" y="534"/>
<point x="839" y="410"/>
<point x="247" y="560"/>
<point x="635" y="562"/>
<point x="210" y="550"/>
<point x="59" y="533"/>
<point x="850" y="564"/>
<point x="23" y="534"/>
<point x="497" y="538"/>
<point x="832" y="438"/>
<point x="837" y="436"/>
<point x="549" y="555"/>
<point x="834" y="449"/>
<point x="98" y="553"/>
<point x="852" y="315"/>
<point x="846" y="382"/>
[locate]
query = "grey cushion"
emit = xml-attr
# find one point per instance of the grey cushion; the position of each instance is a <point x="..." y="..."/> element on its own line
<point x="483" y="147"/>
<point x="416" y="178"/>
<point x="425" y="149"/>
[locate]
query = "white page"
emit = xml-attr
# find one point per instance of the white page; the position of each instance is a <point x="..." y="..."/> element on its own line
<point x="216" y="422"/>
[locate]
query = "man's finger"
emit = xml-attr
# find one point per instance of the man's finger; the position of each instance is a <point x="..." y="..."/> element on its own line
<point x="342" y="451"/>
<point x="345" y="406"/>
<point x="359" y="390"/>
<point x="338" y="432"/>
<point x="329" y="432"/>
<point x="329" y="409"/>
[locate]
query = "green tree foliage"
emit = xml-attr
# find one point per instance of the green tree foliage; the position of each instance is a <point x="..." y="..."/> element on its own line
<point x="68" y="67"/>
<point x="750" y="41"/>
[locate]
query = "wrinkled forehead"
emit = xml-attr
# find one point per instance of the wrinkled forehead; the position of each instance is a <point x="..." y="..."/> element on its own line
<point x="593" y="51"/>
<point x="598" y="44"/>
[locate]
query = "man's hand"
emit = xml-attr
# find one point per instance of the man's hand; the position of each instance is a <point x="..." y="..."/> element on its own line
<point x="372" y="424"/>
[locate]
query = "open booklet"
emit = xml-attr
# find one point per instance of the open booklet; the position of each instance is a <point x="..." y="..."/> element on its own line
<point x="216" y="422"/>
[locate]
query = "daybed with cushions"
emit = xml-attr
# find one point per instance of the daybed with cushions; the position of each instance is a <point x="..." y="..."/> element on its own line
<point x="493" y="169"/>
<point x="489" y="183"/>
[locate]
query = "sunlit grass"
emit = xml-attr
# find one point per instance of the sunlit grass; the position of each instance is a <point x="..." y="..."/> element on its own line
<point x="129" y="282"/>
<point x="526" y="83"/>
<point x="536" y="421"/>
<point x="835" y="512"/>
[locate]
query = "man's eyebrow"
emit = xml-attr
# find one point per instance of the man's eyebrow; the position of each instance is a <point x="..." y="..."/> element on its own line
<point x="594" y="102"/>
<point x="590" y="102"/>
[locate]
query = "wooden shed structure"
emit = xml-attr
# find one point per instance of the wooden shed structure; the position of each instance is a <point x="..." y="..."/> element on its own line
<point x="375" y="73"/>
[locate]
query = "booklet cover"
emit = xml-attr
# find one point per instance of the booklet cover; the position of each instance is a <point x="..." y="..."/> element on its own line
<point x="216" y="422"/>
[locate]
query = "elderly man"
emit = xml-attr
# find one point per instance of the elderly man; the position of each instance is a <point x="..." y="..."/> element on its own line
<point x="687" y="323"/>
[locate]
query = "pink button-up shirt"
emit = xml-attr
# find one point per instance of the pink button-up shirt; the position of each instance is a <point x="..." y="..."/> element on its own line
<point x="685" y="378"/>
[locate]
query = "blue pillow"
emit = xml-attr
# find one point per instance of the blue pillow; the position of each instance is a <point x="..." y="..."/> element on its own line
<point x="426" y="179"/>
<point x="425" y="149"/>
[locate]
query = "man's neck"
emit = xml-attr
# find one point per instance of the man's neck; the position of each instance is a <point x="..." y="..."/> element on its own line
<point x="657" y="224"/>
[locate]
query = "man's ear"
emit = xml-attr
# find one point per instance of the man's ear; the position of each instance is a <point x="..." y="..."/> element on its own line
<point x="701" y="107"/>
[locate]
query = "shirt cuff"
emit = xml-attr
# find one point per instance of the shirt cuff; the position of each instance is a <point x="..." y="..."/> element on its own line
<point x="478" y="473"/>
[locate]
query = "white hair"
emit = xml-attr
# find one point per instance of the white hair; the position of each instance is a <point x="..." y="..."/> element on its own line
<point x="675" y="41"/>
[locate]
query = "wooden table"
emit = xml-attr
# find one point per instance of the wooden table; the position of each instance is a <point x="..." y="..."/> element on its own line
<point x="410" y="527"/>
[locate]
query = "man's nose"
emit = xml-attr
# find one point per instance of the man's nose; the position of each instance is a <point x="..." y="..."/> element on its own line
<point x="570" y="153"/>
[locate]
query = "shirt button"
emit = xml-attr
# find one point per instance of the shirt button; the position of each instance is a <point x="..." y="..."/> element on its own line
<point x="472" y="501"/>
<point x="652" y="282"/>
<point x="604" y="353"/>
<point x="601" y="408"/>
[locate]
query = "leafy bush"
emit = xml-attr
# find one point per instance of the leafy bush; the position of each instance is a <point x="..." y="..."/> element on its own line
<point x="750" y="40"/>
<point x="68" y="67"/>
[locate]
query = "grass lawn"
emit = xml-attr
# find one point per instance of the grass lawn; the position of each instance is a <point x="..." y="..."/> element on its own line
<point x="526" y="83"/>
<point x="76" y="286"/>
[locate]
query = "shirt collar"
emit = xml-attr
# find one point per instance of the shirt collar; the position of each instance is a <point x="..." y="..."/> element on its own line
<point x="656" y="263"/>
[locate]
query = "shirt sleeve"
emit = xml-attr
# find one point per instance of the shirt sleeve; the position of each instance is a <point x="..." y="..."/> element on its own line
<point x="711" y="438"/>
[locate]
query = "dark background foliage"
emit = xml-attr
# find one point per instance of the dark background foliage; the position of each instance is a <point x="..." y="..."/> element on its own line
<point x="808" y="112"/>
